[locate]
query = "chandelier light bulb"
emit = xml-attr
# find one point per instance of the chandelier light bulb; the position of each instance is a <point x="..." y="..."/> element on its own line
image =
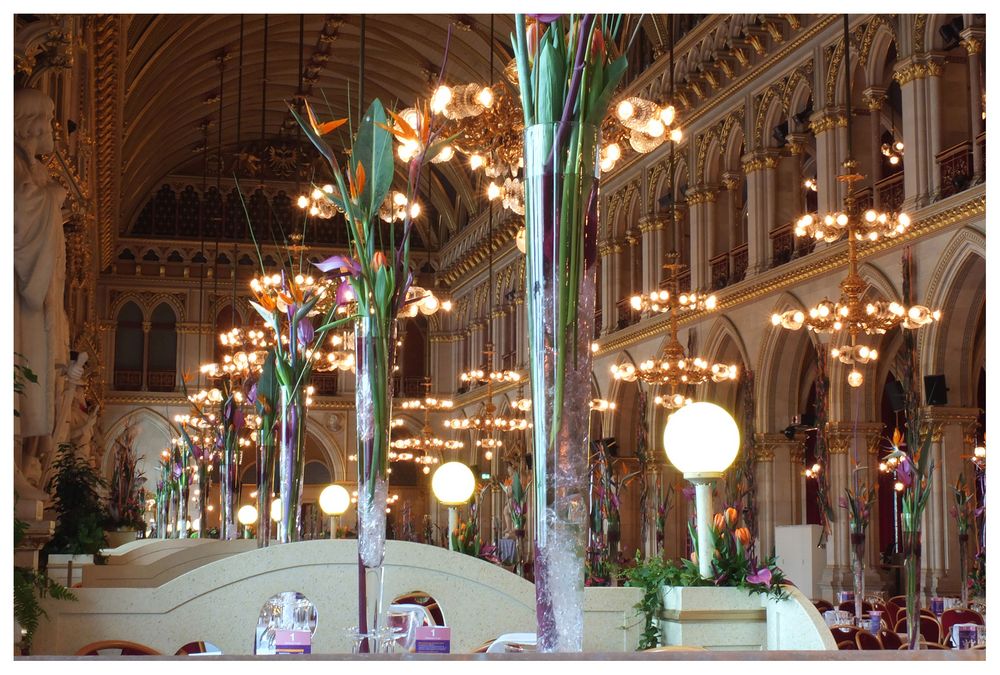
<point x="440" y="100"/>
<point x="855" y="378"/>
<point x="613" y="152"/>
<point x="667" y="115"/>
<point x="493" y="191"/>
<point x="303" y="202"/>
<point x="485" y="97"/>
<point x="676" y="135"/>
<point x="445" y="154"/>
<point x="625" y="110"/>
<point x="476" y="161"/>
<point x="655" y="128"/>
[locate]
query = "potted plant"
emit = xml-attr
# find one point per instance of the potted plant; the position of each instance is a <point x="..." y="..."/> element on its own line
<point x="126" y="494"/>
<point x="736" y="578"/>
<point x="80" y="513"/>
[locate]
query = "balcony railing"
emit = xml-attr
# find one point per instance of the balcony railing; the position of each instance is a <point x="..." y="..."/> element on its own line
<point x="128" y="380"/>
<point x="626" y="315"/>
<point x="719" y="266"/>
<point x="407" y="386"/>
<point x="956" y="168"/>
<point x="891" y="192"/>
<point x="509" y="360"/>
<point x="782" y="244"/>
<point x="741" y="257"/>
<point x="325" y="383"/>
<point x="161" y="380"/>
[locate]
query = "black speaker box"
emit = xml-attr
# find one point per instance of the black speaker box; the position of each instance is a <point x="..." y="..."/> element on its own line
<point x="896" y="398"/>
<point x="935" y="390"/>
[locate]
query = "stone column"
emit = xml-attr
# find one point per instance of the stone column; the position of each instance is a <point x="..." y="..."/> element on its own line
<point x="874" y="97"/>
<point x="765" y="497"/>
<point x="759" y="168"/>
<point x="921" y="129"/>
<point x="621" y="253"/>
<point x="780" y="486"/>
<point x="951" y="429"/>
<point x="701" y="205"/>
<point x="837" y="576"/>
<point x="974" y="38"/>
<point x="732" y="181"/>
<point x="147" y="326"/>
<point x="652" y="232"/>
<point x="824" y="125"/>
<point x="608" y="276"/>
<point x="634" y="253"/>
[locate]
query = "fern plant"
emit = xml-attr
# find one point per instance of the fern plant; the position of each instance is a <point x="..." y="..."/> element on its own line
<point x="29" y="587"/>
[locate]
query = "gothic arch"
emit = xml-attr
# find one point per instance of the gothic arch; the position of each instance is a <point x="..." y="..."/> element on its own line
<point x="724" y="345"/>
<point x="135" y="298"/>
<point x="334" y="454"/>
<point x="151" y="427"/>
<point x="779" y="384"/>
<point x="879" y="282"/>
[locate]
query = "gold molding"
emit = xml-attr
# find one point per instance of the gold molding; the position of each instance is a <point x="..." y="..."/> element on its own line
<point x="107" y="133"/>
<point x="713" y="615"/>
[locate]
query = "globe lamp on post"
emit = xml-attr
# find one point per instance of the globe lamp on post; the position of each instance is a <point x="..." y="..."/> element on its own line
<point x="334" y="500"/>
<point x="701" y="440"/>
<point x="453" y="484"/>
<point x="247" y="515"/>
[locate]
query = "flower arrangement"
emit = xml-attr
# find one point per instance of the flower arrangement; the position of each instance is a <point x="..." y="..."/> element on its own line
<point x="517" y="501"/>
<point x="126" y="494"/>
<point x="963" y="510"/>
<point x="663" y="507"/>
<point x="733" y="564"/>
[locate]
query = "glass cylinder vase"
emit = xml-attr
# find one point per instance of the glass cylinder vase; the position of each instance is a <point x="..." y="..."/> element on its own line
<point x="963" y="566"/>
<point x="291" y="462"/>
<point x="858" y="568"/>
<point x="561" y="196"/>
<point x="374" y="357"/>
<point x="910" y="545"/>
<point x="265" y="485"/>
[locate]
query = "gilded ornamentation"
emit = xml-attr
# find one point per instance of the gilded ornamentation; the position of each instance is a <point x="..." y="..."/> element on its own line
<point x="758" y="162"/>
<point x="919" y="30"/>
<point x="836" y="59"/>
<point x="827" y="122"/>
<point x="107" y="136"/>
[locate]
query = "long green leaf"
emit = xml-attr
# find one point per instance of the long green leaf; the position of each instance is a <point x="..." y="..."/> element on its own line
<point x="373" y="149"/>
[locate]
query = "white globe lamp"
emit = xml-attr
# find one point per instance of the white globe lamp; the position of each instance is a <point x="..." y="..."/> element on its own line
<point x="701" y="440"/>
<point x="453" y="484"/>
<point x="334" y="500"/>
<point x="247" y="515"/>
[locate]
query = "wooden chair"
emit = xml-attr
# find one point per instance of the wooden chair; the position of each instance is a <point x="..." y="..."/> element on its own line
<point x="927" y="645"/>
<point x="847" y="644"/>
<point x="822" y="605"/>
<point x="867" y="641"/>
<point x="889" y="639"/>
<point x="958" y="615"/>
<point x="930" y="627"/>
<point x="116" y="648"/>
<point x="843" y="633"/>
<point x="892" y="612"/>
<point x="848" y="606"/>
<point x="899" y="600"/>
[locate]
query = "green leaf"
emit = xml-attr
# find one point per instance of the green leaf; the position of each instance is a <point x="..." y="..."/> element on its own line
<point x="373" y="149"/>
<point x="315" y="138"/>
<point x="552" y="73"/>
<point x="612" y="76"/>
<point x="267" y="315"/>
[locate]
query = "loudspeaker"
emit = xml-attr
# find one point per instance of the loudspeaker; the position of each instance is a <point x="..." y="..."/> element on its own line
<point x="935" y="390"/>
<point x="806" y="419"/>
<point x="896" y="398"/>
<point x="528" y="461"/>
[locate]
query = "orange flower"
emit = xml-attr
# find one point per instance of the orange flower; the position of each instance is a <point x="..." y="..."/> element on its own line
<point x="379" y="261"/>
<point x="719" y="521"/>
<point x="266" y="301"/>
<point x="597" y="48"/>
<point x="694" y="557"/>
<point x="743" y="534"/>
<point x="731" y="516"/>
<point x="356" y="186"/>
<point x="322" y="128"/>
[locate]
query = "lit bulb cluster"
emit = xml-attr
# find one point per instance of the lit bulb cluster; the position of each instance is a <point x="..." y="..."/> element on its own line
<point x="427" y="403"/>
<point x="889" y="465"/>
<point x="672" y="401"/>
<point x="659" y="302"/>
<point x="876" y="319"/>
<point x="319" y="203"/>
<point x="609" y="156"/>
<point x="650" y="124"/>
<point x="893" y="152"/>
<point x="810" y="184"/>
<point x="426" y="444"/>
<point x="390" y="500"/>
<point x="601" y="405"/>
<point x="461" y="101"/>
<point x="410" y="147"/>
<point x="872" y="226"/>
<point x="487" y="423"/>
<point x="813" y="471"/>
<point x="510" y="194"/>
<point x="480" y="376"/>
<point x="396" y="206"/>
<point x="675" y="372"/>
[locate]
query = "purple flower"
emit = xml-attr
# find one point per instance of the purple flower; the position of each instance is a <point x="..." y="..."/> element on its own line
<point x="905" y="471"/>
<point x="197" y="451"/>
<point x="339" y="262"/>
<point x="177" y="471"/>
<point x="688" y="492"/>
<point x="546" y="18"/>
<point x="306" y="331"/>
<point x="344" y="293"/>
<point x="763" y="576"/>
<point x="843" y="502"/>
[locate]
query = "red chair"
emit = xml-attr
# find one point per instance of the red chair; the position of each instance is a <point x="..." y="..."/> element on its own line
<point x="867" y="641"/>
<point x="847" y="644"/>
<point x="958" y="615"/>
<point x="930" y="627"/>
<point x="899" y="600"/>
<point x="848" y="606"/>
<point x="892" y="612"/>
<point x="116" y="648"/>
<point x="843" y="633"/>
<point x="822" y="605"/>
<point x="889" y="639"/>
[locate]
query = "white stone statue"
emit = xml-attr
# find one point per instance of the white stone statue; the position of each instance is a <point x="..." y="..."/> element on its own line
<point x="41" y="328"/>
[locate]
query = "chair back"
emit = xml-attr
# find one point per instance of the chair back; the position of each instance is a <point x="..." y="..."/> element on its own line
<point x="842" y="632"/>
<point x="848" y="606"/>
<point x="892" y="612"/>
<point x="958" y="615"/>
<point x="889" y="639"/>
<point x="867" y="641"/>
<point x="930" y="628"/>
<point x="822" y="605"/>
<point x="847" y="644"/>
<point x="900" y="600"/>
<point x="521" y="639"/>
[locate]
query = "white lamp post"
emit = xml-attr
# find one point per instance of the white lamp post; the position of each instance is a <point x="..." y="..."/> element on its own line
<point x="453" y="485"/>
<point x="701" y="440"/>
<point x="247" y="515"/>
<point x="334" y="500"/>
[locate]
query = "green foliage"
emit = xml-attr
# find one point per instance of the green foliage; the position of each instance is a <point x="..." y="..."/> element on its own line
<point x="79" y="508"/>
<point x="29" y="587"/>
<point x="22" y="376"/>
<point x="373" y="150"/>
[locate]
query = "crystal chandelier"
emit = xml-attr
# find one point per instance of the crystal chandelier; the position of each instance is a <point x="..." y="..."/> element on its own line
<point x="675" y="370"/>
<point x="419" y="448"/>
<point x="849" y="320"/>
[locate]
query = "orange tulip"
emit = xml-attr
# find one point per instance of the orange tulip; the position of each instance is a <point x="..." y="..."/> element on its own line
<point x="379" y="261"/>
<point x="743" y="535"/>
<point x="694" y="557"/>
<point x="719" y="521"/>
<point x="597" y="48"/>
<point x="731" y="516"/>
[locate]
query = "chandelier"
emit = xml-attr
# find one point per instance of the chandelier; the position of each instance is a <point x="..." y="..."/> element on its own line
<point x="848" y="320"/>
<point x="418" y="448"/>
<point x="675" y="370"/>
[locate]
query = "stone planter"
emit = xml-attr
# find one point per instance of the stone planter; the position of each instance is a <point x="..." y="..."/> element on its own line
<point x="713" y="618"/>
<point x="116" y="538"/>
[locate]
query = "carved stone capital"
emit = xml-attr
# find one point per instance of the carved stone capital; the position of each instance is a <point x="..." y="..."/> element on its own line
<point x="759" y="161"/>
<point x="827" y="120"/>
<point x="874" y="97"/>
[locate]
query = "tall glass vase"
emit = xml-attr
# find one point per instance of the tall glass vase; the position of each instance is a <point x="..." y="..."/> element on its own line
<point x="202" y="499"/>
<point x="265" y="485"/>
<point x="561" y="190"/>
<point x="858" y="567"/>
<point x="963" y="566"/>
<point x="229" y="487"/>
<point x="374" y="349"/>
<point x="911" y="577"/>
<point x="291" y="462"/>
<point x="182" y="505"/>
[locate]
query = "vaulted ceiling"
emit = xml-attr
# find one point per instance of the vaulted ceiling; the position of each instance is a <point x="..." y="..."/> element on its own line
<point x="173" y="83"/>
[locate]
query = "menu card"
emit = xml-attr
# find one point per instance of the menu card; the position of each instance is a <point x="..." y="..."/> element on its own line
<point x="433" y="640"/>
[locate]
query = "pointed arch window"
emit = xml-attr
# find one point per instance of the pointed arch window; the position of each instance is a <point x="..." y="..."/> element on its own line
<point x="129" y="348"/>
<point x="161" y="366"/>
